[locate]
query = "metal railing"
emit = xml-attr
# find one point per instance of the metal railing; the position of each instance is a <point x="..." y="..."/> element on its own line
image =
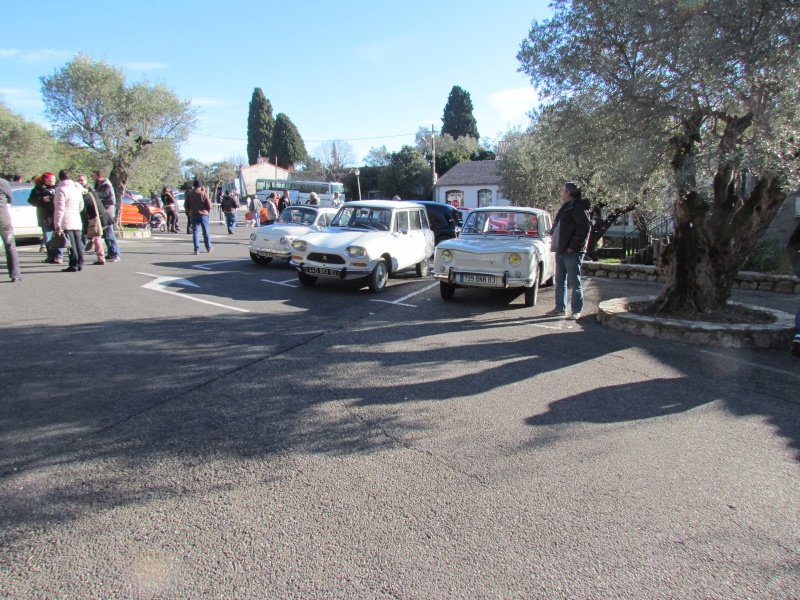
<point x="641" y="245"/>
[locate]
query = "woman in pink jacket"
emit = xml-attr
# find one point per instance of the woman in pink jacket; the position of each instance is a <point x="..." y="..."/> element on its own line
<point x="67" y="218"/>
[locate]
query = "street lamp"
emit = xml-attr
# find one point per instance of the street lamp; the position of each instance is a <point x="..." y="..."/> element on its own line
<point x="358" y="180"/>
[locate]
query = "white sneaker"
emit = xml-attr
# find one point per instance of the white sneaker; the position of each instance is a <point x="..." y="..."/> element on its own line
<point x="575" y="316"/>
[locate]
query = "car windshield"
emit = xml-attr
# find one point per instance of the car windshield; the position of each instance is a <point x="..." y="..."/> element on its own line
<point x="21" y="195"/>
<point x="502" y="223"/>
<point x="297" y="215"/>
<point x="364" y="217"/>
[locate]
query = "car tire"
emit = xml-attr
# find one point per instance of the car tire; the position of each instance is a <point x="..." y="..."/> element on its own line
<point x="306" y="280"/>
<point x="532" y="293"/>
<point x="447" y="290"/>
<point x="379" y="277"/>
<point x="422" y="268"/>
<point x="260" y="260"/>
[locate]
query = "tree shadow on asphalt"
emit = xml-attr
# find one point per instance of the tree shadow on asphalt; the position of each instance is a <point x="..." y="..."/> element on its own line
<point x="126" y="396"/>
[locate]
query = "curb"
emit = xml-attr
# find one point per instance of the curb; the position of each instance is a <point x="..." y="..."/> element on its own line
<point x="139" y="232"/>
<point x="614" y="314"/>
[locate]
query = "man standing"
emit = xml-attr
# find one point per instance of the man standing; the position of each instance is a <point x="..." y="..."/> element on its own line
<point x="570" y="233"/>
<point x="198" y="206"/>
<point x="105" y="193"/>
<point x="284" y="202"/>
<point x="7" y="232"/>
<point x="229" y="207"/>
<point x="271" y="206"/>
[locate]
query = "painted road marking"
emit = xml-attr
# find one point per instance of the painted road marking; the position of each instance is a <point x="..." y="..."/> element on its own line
<point x="160" y="283"/>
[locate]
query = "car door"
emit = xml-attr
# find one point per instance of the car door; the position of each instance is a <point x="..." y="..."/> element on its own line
<point x="418" y="242"/>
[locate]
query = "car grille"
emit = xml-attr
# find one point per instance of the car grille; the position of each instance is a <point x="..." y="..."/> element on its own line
<point x="328" y="259"/>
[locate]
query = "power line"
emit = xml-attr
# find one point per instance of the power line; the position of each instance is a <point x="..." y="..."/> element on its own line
<point x="382" y="137"/>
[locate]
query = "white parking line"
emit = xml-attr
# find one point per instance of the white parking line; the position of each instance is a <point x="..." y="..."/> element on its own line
<point x="399" y="301"/>
<point x="292" y="283"/>
<point x="160" y="282"/>
<point x="207" y="266"/>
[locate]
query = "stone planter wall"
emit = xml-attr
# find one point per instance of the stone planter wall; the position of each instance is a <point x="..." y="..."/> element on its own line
<point x="133" y="232"/>
<point x="743" y="280"/>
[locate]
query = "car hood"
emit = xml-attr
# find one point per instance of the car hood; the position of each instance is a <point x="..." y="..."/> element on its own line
<point x="481" y="244"/>
<point x="285" y="229"/>
<point x="339" y="239"/>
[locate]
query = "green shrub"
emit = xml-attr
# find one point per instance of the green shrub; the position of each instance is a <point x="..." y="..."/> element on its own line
<point x="769" y="256"/>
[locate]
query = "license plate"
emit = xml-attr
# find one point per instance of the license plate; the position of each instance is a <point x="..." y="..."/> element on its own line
<point x="323" y="271"/>
<point x="485" y="279"/>
<point x="266" y="253"/>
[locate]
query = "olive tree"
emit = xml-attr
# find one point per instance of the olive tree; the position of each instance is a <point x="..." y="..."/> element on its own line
<point x="26" y="148"/>
<point x="91" y="105"/>
<point x="719" y="78"/>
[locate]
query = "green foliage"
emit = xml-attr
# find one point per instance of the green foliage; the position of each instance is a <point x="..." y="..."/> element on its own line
<point x="91" y="106"/>
<point x="408" y="175"/>
<point x="26" y="149"/>
<point x="260" y="128"/>
<point x="287" y="145"/>
<point x="211" y="175"/>
<point x="768" y="256"/>
<point x="458" y="120"/>
<point x="377" y="157"/>
<point x="159" y="166"/>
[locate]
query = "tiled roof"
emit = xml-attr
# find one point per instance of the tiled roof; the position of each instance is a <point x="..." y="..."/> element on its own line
<point x="479" y="172"/>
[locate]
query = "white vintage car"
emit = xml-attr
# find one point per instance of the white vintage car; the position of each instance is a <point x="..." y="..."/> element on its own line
<point x="366" y="240"/>
<point x="23" y="215"/>
<point x="274" y="241"/>
<point x="500" y="247"/>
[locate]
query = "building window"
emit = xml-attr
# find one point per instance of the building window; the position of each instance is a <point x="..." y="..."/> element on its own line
<point x="455" y="197"/>
<point x="484" y="198"/>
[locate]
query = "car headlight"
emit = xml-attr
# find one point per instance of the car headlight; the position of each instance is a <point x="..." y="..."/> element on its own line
<point x="300" y="245"/>
<point x="514" y="259"/>
<point x="284" y="241"/>
<point x="355" y="251"/>
<point x="446" y="255"/>
<point x="253" y="237"/>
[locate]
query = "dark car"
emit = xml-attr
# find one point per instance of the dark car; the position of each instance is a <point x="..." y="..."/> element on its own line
<point x="445" y="221"/>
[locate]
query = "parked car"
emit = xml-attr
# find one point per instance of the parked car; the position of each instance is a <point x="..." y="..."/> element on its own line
<point x="23" y="215"/>
<point x="274" y="241"/>
<point x="141" y="214"/>
<point x="445" y="220"/>
<point x="367" y="240"/>
<point x="499" y="247"/>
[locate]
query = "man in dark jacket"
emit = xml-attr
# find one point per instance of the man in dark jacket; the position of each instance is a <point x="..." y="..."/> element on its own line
<point x="7" y="231"/>
<point x="198" y="207"/>
<point x="104" y="192"/>
<point x="570" y="233"/>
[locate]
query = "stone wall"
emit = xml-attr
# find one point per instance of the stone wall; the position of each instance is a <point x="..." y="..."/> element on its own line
<point x="743" y="280"/>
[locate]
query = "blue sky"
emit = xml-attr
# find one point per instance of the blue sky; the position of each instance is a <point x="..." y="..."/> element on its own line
<point x="370" y="73"/>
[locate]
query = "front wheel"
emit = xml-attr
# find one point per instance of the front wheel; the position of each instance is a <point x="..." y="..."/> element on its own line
<point x="532" y="293"/>
<point x="447" y="290"/>
<point x="422" y="268"/>
<point x="260" y="260"/>
<point x="306" y="280"/>
<point x="379" y="277"/>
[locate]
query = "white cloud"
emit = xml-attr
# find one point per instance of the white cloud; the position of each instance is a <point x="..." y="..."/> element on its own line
<point x="6" y="52"/>
<point x="512" y="106"/>
<point x="145" y="66"/>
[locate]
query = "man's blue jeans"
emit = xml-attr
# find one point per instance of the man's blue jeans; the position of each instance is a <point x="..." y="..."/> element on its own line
<point x="111" y="241"/>
<point x="200" y="221"/>
<point x="52" y="253"/>
<point x="230" y="219"/>
<point x="568" y="274"/>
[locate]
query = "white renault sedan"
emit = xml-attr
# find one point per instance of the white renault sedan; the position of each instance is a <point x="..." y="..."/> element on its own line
<point x="367" y="240"/>
<point x="500" y="247"/>
<point x="274" y="241"/>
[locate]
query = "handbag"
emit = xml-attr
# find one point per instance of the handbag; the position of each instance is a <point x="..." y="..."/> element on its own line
<point x="94" y="228"/>
<point x="59" y="241"/>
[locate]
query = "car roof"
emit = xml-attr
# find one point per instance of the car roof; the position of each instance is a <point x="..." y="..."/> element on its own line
<point x="520" y="209"/>
<point x="18" y="185"/>
<point x="384" y="204"/>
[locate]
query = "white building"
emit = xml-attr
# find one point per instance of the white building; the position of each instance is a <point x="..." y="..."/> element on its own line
<point x="471" y="184"/>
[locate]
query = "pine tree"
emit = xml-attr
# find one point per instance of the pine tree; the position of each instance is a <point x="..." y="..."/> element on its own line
<point x="287" y="144"/>
<point x="458" y="119"/>
<point x="260" y="127"/>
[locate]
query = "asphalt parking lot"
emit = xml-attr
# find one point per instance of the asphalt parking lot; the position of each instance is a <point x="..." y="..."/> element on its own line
<point x="180" y="426"/>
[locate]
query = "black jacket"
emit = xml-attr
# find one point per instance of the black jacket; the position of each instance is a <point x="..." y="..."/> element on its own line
<point x="42" y="197"/>
<point x="88" y="211"/>
<point x="574" y="226"/>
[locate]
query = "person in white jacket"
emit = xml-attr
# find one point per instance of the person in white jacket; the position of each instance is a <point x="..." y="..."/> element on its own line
<point x="67" y="218"/>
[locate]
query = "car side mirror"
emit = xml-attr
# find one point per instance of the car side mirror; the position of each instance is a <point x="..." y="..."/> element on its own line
<point x="404" y="230"/>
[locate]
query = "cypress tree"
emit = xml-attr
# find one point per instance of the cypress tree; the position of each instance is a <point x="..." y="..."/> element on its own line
<point x="458" y="119"/>
<point x="287" y="144"/>
<point x="260" y="127"/>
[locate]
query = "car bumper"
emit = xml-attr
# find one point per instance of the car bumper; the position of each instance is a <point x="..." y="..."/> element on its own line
<point x="343" y="272"/>
<point x="269" y="252"/>
<point x="488" y="280"/>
